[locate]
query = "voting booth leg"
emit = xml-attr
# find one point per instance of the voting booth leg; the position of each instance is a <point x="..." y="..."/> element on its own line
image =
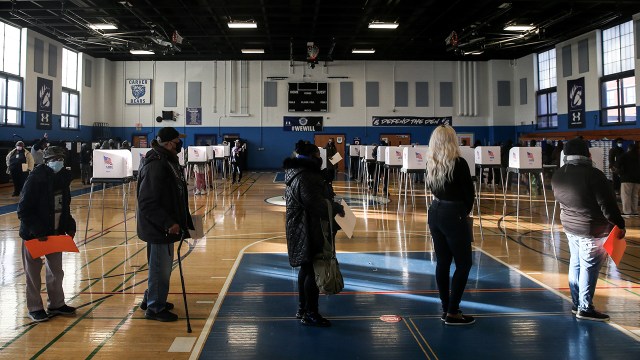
<point x="125" y="201"/>
<point x="184" y="293"/>
<point x="399" y="189"/>
<point x="86" y="228"/>
<point x="478" y="205"/>
<point x="544" y="192"/>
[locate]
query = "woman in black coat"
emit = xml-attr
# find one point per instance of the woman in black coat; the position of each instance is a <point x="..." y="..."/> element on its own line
<point x="308" y="199"/>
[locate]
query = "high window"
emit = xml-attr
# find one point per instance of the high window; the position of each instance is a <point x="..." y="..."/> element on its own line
<point x="618" y="85"/>
<point x="547" y="94"/>
<point x="10" y="80"/>
<point x="70" y="117"/>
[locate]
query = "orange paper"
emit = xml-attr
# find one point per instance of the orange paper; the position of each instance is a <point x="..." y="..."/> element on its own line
<point x="54" y="244"/>
<point x="615" y="245"/>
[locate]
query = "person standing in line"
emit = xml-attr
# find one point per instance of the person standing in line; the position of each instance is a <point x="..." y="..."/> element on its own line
<point x="615" y="153"/>
<point x="306" y="197"/>
<point x="19" y="163"/>
<point x="237" y="154"/>
<point x="449" y="179"/>
<point x="331" y="169"/>
<point x="85" y="163"/>
<point x="163" y="218"/>
<point x="588" y="211"/>
<point x="44" y="210"/>
<point x="629" y="170"/>
<point x="37" y="150"/>
<point x="199" y="171"/>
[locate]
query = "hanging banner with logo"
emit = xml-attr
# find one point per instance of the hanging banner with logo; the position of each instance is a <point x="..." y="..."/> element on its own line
<point x="137" y="92"/>
<point x="576" y="98"/>
<point x="194" y="116"/>
<point x="44" y="101"/>
<point x="302" y="123"/>
<point x="410" y="121"/>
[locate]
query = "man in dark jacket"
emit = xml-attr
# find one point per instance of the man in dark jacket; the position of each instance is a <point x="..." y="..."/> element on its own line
<point x="629" y="170"/>
<point x="85" y="163"/>
<point x="588" y="213"/>
<point x="43" y="210"/>
<point x="331" y="169"/>
<point x="306" y="196"/>
<point x="614" y="156"/>
<point x="163" y="218"/>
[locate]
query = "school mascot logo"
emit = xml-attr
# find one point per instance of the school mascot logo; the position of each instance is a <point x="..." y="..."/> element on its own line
<point x="138" y="91"/>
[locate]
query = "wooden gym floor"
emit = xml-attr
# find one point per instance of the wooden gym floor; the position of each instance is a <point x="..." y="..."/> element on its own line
<point x="106" y="280"/>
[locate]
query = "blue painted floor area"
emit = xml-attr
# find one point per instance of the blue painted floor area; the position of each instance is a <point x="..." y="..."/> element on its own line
<point x="14" y="207"/>
<point x="517" y="318"/>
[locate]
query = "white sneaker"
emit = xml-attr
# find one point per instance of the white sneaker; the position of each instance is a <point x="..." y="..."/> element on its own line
<point x="203" y="192"/>
<point x="197" y="192"/>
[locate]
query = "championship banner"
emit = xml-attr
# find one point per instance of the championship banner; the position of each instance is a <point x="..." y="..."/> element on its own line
<point x="302" y="123"/>
<point x="194" y="116"/>
<point x="410" y="121"/>
<point x="44" y="101"/>
<point x="576" y="99"/>
<point x="137" y="92"/>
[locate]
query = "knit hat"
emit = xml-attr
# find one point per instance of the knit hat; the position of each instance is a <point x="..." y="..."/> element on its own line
<point x="307" y="150"/>
<point x="54" y="152"/>
<point x="20" y="143"/>
<point x="168" y="133"/>
<point x="576" y="146"/>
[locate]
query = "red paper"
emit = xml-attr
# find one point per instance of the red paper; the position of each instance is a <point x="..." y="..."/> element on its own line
<point x="54" y="244"/>
<point x="615" y="245"/>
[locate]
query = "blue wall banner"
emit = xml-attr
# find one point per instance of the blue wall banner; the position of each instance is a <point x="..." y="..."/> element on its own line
<point x="44" y="101"/>
<point x="410" y="121"/>
<point x="302" y="123"/>
<point x="137" y="92"/>
<point x="194" y="116"/>
<point x="576" y="99"/>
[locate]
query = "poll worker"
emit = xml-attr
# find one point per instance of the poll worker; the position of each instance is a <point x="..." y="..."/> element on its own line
<point x="163" y="218"/>
<point x="331" y="169"/>
<point x="588" y="211"/>
<point x="449" y="179"/>
<point x="19" y="163"/>
<point x="44" y="210"/>
<point x="237" y="158"/>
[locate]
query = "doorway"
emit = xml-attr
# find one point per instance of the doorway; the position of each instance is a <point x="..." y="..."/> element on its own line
<point x="139" y="141"/>
<point x="396" y="139"/>
<point x="321" y="140"/>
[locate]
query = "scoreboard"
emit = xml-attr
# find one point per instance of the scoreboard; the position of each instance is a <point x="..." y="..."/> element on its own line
<point x="308" y="97"/>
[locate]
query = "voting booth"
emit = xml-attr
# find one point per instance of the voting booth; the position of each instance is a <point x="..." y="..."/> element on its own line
<point x="354" y="150"/>
<point x="368" y="152"/>
<point x="467" y="153"/>
<point x="597" y="157"/>
<point x="381" y="153"/>
<point x="137" y="154"/>
<point x="112" y="164"/>
<point x="323" y="155"/>
<point x="414" y="158"/>
<point x="197" y="154"/>
<point x="487" y="155"/>
<point x="525" y="157"/>
<point x="181" y="158"/>
<point x="393" y="156"/>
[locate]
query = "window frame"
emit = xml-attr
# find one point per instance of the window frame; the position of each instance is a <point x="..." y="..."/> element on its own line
<point x="3" y="121"/>
<point x="547" y="114"/>
<point x="618" y="77"/>
<point x="69" y="115"/>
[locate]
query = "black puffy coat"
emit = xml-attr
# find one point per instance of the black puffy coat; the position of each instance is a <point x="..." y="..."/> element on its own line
<point x="36" y="209"/>
<point x="162" y="197"/>
<point x="629" y="166"/>
<point x="306" y="194"/>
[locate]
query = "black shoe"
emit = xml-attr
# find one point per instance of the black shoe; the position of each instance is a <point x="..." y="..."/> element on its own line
<point x="592" y="315"/>
<point x="39" y="316"/>
<point x="444" y="316"/>
<point x="464" y="320"/>
<point x="300" y="313"/>
<point x="167" y="305"/>
<point x="62" y="310"/>
<point x="163" y="316"/>
<point x="314" y="319"/>
<point x="574" y="310"/>
<point x="14" y="195"/>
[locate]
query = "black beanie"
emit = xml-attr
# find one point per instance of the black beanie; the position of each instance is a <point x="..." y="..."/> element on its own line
<point x="167" y="134"/>
<point x="307" y="150"/>
<point x="576" y="146"/>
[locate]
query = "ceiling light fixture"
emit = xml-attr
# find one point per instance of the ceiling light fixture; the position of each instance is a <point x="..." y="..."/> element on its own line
<point x="514" y="27"/>
<point x="142" y="52"/>
<point x="103" y="26"/>
<point x="383" y="25"/>
<point x="252" y="51"/>
<point x="363" y="51"/>
<point x="242" y="24"/>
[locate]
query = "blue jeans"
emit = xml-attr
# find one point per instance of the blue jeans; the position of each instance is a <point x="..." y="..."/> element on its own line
<point x="587" y="257"/>
<point x="160" y="257"/>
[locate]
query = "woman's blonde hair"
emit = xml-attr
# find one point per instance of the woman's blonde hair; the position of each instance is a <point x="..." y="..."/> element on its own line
<point x="441" y="157"/>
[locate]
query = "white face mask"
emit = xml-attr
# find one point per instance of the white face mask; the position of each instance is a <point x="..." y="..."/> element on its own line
<point x="56" y="165"/>
<point x="619" y="144"/>
<point x="19" y="147"/>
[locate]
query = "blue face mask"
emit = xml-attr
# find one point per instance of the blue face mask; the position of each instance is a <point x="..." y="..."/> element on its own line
<point x="619" y="144"/>
<point x="56" y="165"/>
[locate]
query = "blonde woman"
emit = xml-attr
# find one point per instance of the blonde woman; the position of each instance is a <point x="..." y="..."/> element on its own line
<point x="449" y="179"/>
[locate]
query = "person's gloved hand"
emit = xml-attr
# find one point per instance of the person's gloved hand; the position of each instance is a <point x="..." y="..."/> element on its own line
<point x="174" y="229"/>
<point x="623" y="232"/>
<point x="72" y="234"/>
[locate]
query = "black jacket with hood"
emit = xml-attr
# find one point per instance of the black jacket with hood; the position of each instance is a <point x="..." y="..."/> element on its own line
<point x="587" y="201"/>
<point x="305" y="196"/>
<point x="36" y="209"/>
<point x="162" y="197"/>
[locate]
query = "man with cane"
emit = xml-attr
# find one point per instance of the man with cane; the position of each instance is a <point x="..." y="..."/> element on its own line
<point x="163" y="219"/>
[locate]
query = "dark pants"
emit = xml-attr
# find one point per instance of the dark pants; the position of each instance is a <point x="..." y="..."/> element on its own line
<point x="307" y="289"/>
<point x="18" y="177"/>
<point x="85" y="173"/>
<point x="616" y="182"/>
<point x="236" y="168"/>
<point x="451" y="241"/>
<point x="353" y="166"/>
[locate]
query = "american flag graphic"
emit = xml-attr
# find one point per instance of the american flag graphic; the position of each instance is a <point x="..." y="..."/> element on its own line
<point x="529" y="156"/>
<point x="196" y="152"/>
<point x="107" y="160"/>
<point x="398" y="154"/>
<point x="418" y="156"/>
<point x="491" y="154"/>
